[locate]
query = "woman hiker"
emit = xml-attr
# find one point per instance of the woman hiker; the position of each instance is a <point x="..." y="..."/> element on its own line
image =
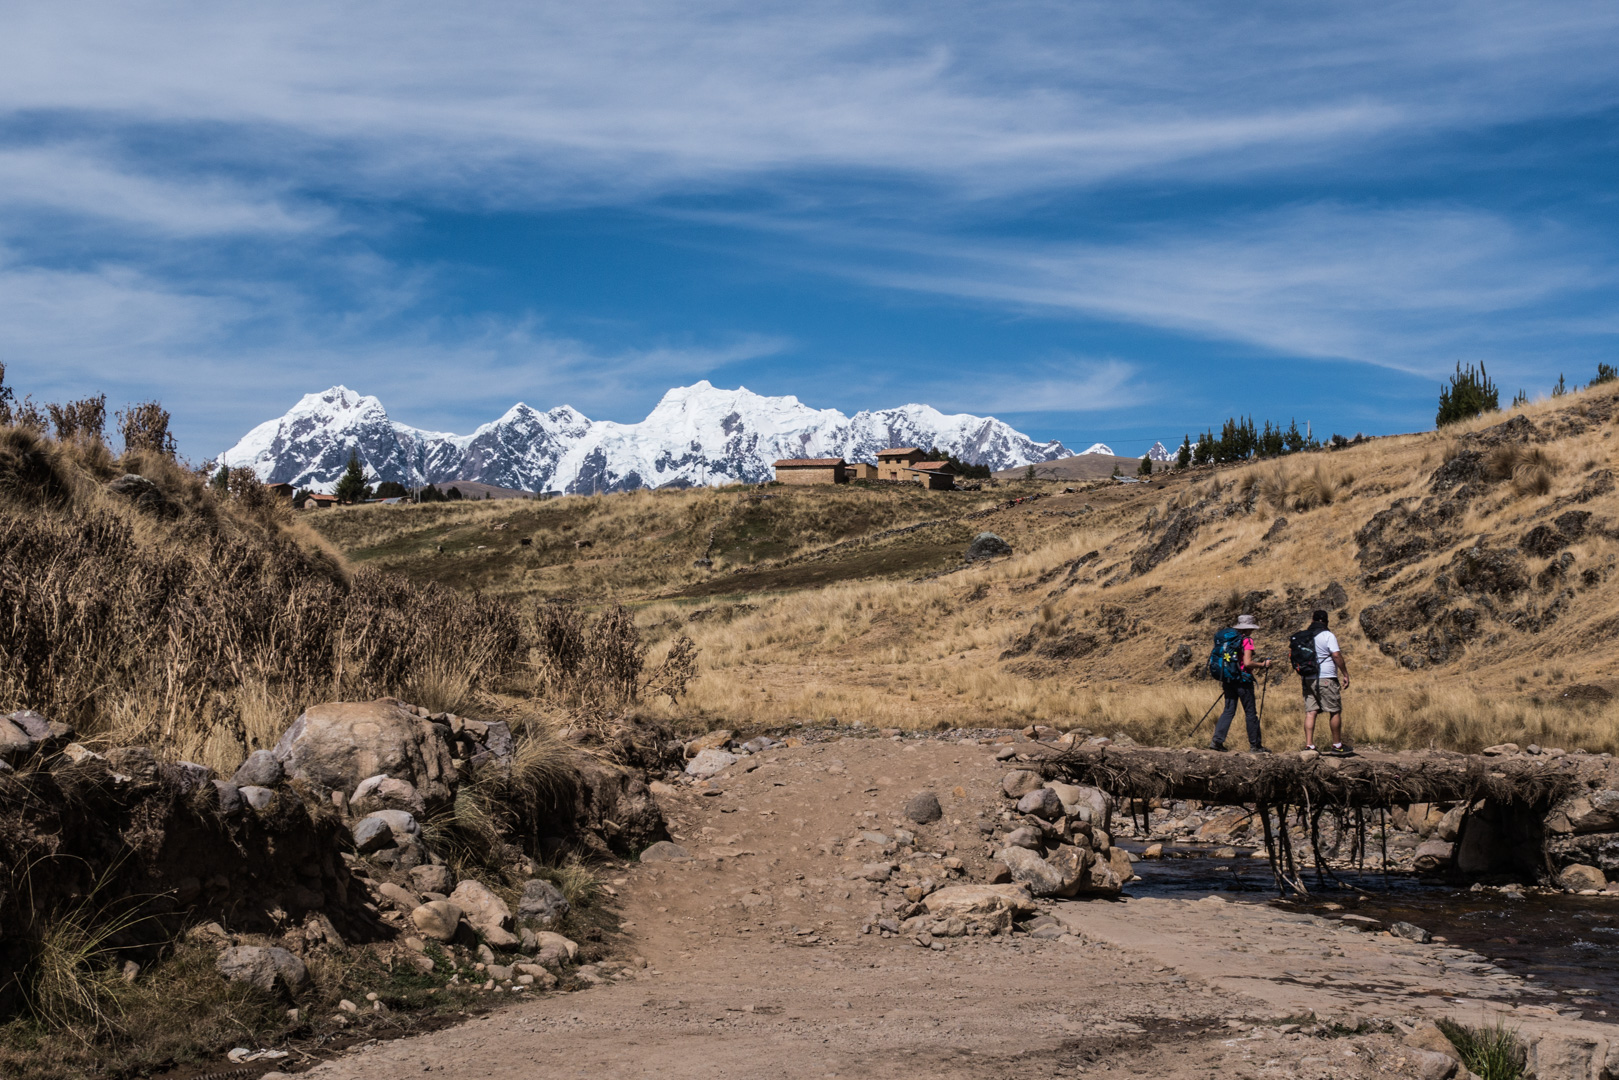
<point x="1238" y="684"/>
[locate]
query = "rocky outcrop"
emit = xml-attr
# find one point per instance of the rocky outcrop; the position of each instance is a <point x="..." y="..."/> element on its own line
<point x="333" y="747"/>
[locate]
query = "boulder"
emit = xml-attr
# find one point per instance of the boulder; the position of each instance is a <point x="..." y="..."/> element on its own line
<point x="187" y="776"/>
<point x="1025" y="837"/>
<point x="542" y="902"/>
<point x="923" y="808"/>
<point x="1083" y="802"/>
<point x="261" y="769"/>
<point x="555" y="950"/>
<point x="437" y="919"/>
<point x="875" y="871"/>
<point x="49" y="736"/>
<point x="1595" y="812"/>
<point x="399" y="897"/>
<point x="1019" y="782"/>
<point x="664" y="851"/>
<point x="230" y="797"/>
<point x="263" y="967"/>
<point x="1118" y="860"/>
<point x="386" y="792"/>
<point x="384" y="829"/>
<point x="968" y="900"/>
<point x="259" y="798"/>
<point x="542" y="978"/>
<point x="986" y="545"/>
<point x="1430" y="1065"/>
<point x="333" y="747"/>
<point x="485" y="912"/>
<point x="15" y="744"/>
<point x="709" y="763"/>
<point x="1580" y="876"/>
<point x="1043" y="877"/>
<point x="1042" y="803"/>
<point x="714" y="740"/>
<point x="1427" y="1036"/>
<point x="433" y="879"/>
<point x="1450" y="826"/>
<point x="1410" y="931"/>
<point x="1433" y="854"/>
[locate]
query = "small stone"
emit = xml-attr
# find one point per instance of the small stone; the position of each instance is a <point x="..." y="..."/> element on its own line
<point x="485" y="912"/>
<point x="555" y="949"/>
<point x="923" y="808"/>
<point x="536" y="976"/>
<point x="1006" y="753"/>
<point x="348" y="1006"/>
<point x="664" y="851"/>
<point x="259" y="798"/>
<point x="398" y="896"/>
<point x="230" y="797"/>
<point x="1153" y="851"/>
<point x="997" y="872"/>
<point x="714" y="740"/>
<point x="710" y="763"/>
<point x="1024" y="837"/>
<point x="1501" y="748"/>
<point x="876" y="871"/>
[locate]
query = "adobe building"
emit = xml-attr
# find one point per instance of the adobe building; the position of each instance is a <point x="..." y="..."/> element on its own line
<point x="933" y="475"/>
<point x="811" y="471"/>
<point x="860" y="470"/>
<point x="891" y="464"/>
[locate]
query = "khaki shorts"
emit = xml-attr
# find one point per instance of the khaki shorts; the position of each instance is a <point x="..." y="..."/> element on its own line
<point x="1322" y="696"/>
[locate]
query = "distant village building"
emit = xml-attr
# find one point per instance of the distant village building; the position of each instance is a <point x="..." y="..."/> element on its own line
<point x="860" y="470"/>
<point x="811" y="471"/>
<point x="933" y="475"/>
<point x="891" y="464"/>
<point x="315" y="501"/>
<point x="282" y="491"/>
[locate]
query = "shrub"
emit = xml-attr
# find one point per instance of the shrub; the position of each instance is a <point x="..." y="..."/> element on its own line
<point x="145" y="427"/>
<point x="1470" y="394"/>
<point x="1494" y="1053"/>
<point x="1606" y="373"/>
<point x="84" y="420"/>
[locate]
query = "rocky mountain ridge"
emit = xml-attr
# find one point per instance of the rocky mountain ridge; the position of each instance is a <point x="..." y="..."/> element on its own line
<point x="697" y="435"/>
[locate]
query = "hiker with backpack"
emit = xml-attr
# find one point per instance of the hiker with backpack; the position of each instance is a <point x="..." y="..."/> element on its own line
<point x="1233" y="663"/>
<point x="1314" y="654"/>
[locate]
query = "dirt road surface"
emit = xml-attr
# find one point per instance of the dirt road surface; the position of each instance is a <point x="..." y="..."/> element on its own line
<point x="757" y="964"/>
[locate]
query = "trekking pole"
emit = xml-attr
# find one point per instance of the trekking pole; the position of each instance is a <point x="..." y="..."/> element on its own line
<point x="1263" y="686"/>
<point x="1206" y="712"/>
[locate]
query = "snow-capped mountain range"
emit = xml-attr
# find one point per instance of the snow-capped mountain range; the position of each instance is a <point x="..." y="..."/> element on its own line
<point x="696" y="435"/>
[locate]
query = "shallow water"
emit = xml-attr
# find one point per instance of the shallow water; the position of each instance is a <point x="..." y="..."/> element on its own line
<point x="1565" y="944"/>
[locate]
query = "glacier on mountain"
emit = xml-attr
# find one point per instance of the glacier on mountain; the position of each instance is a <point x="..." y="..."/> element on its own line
<point x="696" y="435"/>
<point x="1098" y="448"/>
<point x="1159" y="453"/>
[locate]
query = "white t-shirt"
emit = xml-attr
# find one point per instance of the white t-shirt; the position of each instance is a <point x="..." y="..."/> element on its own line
<point x="1326" y="643"/>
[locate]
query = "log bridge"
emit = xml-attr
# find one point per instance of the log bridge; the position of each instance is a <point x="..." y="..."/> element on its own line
<point x="1509" y="796"/>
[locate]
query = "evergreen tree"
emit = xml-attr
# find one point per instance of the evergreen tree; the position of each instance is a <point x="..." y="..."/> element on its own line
<point x="1294" y="440"/>
<point x="1184" y="457"/>
<point x="1561" y="388"/>
<point x="1145" y="468"/>
<point x="221" y="480"/>
<point x="352" y="488"/>
<point x="391" y="489"/>
<point x="1470" y="394"/>
<point x="1520" y="398"/>
<point x="1605" y="373"/>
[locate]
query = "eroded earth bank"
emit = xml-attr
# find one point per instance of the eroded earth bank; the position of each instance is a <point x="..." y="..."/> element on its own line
<point x="768" y="951"/>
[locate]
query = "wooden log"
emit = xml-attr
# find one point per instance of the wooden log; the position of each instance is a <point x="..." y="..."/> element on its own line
<point x="1367" y="779"/>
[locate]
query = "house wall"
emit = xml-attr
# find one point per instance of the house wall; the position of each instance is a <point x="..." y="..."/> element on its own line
<point x="807" y="475"/>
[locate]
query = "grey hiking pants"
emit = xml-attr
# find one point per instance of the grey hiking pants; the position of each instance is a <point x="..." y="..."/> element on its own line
<point x="1235" y="692"/>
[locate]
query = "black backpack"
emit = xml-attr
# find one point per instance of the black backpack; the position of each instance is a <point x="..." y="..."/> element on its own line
<point x="1301" y="651"/>
<point x="1225" y="660"/>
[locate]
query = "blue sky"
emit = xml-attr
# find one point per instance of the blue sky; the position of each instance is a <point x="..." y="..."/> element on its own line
<point x="1097" y="221"/>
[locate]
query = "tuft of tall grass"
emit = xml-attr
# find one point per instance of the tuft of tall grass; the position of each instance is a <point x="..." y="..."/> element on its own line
<point x="1493" y="1053"/>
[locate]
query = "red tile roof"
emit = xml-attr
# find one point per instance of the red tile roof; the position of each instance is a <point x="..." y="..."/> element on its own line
<point x="899" y="451"/>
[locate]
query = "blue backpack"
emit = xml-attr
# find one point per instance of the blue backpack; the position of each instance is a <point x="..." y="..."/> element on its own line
<point x="1225" y="661"/>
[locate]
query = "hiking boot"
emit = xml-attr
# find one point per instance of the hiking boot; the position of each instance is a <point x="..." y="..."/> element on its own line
<point x="1220" y="746"/>
<point x="1259" y="749"/>
<point x="1340" y="750"/>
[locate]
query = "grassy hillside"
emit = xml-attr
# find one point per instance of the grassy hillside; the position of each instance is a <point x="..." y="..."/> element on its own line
<point x="1470" y="572"/>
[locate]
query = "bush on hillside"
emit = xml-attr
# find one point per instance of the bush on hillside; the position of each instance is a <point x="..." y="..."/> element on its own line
<point x="1470" y="394"/>
<point x="1606" y="373"/>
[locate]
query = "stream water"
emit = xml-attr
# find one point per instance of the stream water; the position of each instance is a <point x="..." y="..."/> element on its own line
<point x="1568" y="945"/>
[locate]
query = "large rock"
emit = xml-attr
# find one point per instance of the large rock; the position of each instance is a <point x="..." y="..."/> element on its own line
<point x="710" y="763"/>
<point x="434" y="879"/>
<point x="1579" y="877"/>
<point x="1433" y="854"/>
<point x="665" y="851"/>
<point x="554" y="949"/>
<point x="15" y="745"/>
<point x="386" y="792"/>
<point x="714" y="740"/>
<point x="486" y="913"/>
<point x="1058" y="876"/>
<point x="923" y="808"/>
<point x="333" y="747"/>
<point x="966" y="900"/>
<point x="437" y="919"/>
<point x="1042" y="803"/>
<point x="986" y="545"/>
<point x="542" y="902"/>
<point x="385" y="829"/>
<point x="1595" y="812"/>
<point x="1019" y="782"/>
<point x="261" y="769"/>
<point x="263" y="967"/>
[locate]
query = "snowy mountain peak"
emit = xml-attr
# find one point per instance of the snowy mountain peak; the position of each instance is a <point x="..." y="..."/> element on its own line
<point x="1158" y="453"/>
<point x="698" y="434"/>
<point x="1099" y="448"/>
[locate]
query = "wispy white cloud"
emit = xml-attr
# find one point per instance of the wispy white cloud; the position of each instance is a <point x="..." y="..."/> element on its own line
<point x="1409" y="289"/>
<point x="1068" y="384"/>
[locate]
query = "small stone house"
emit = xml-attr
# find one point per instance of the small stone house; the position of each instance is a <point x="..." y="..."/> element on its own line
<point x="811" y="471"/>
<point x="892" y="463"/>
<point x="282" y="491"/>
<point x="860" y="470"/>
<point x="933" y="475"/>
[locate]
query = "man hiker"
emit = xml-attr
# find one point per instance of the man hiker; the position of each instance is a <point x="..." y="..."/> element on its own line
<point x="1315" y="656"/>
<point x="1233" y="663"/>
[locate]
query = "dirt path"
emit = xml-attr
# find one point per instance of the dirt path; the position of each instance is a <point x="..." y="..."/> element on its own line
<point x="757" y="965"/>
